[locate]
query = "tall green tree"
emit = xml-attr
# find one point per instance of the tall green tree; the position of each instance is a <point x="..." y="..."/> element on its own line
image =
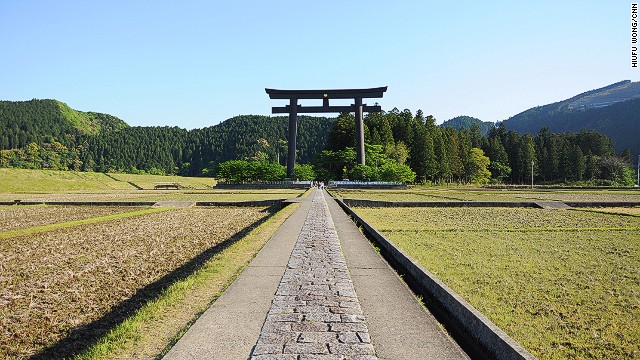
<point x="478" y="167"/>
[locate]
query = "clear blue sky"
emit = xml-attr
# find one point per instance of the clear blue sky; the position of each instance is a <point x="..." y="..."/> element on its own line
<point x="195" y="63"/>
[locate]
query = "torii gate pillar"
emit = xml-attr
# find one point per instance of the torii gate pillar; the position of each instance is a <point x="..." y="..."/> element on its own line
<point x="360" y="158"/>
<point x="293" y="109"/>
<point x="293" y="134"/>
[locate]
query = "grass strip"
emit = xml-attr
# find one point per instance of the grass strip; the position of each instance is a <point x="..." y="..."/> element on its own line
<point x="512" y="230"/>
<point x="37" y="229"/>
<point x="159" y="324"/>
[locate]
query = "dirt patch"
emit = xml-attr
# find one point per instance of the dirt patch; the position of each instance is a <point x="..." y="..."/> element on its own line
<point x="23" y="217"/>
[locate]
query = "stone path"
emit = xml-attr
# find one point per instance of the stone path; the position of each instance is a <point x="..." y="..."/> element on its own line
<point x="299" y="282"/>
<point x="315" y="313"/>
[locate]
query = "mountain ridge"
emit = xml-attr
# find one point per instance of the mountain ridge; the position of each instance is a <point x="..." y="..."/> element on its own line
<point x="613" y="110"/>
<point x="466" y="122"/>
<point x="41" y="120"/>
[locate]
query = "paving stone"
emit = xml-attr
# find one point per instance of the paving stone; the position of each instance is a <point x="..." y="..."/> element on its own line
<point x="348" y="327"/>
<point x="317" y="337"/>
<point x="364" y="337"/>
<point x="351" y="349"/>
<point x="309" y="326"/>
<point x="279" y="337"/>
<point x="315" y="313"/>
<point x="349" y="318"/>
<point x="325" y="317"/>
<point x="348" y="337"/>
<point x="275" y="357"/>
<point x="306" y="348"/>
<point x="264" y="349"/>
<point x="321" y="357"/>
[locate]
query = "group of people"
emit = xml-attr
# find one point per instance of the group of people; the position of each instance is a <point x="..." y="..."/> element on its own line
<point x="318" y="184"/>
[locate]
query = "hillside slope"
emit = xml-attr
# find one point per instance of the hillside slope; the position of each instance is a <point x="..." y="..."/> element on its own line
<point x="102" y="142"/>
<point x="613" y="110"/>
<point x="22" y="122"/>
<point x="191" y="151"/>
<point x="466" y="122"/>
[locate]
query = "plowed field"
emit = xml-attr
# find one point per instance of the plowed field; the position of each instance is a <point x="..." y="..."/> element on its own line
<point x="22" y="217"/>
<point x="55" y="282"/>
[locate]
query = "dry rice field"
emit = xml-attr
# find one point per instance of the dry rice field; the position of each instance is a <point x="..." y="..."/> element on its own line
<point x="55" y="283"/>
<point x="23" y="217"/>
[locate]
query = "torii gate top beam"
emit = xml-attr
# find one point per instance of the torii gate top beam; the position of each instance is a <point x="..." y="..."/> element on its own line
<point x="325" y="95"/>
<point x="331" y="94"/>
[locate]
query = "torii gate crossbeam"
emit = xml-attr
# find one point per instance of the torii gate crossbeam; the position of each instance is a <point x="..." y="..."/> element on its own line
<point x="293" y="109"/>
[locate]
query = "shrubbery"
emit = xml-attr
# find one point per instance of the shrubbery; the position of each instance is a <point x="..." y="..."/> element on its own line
<point x="242" y="170"/>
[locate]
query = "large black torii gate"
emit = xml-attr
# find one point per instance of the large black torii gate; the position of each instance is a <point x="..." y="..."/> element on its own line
<point x="293" y="109"/>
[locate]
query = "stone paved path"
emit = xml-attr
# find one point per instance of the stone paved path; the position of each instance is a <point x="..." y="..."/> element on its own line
<point x="315" y="313"/>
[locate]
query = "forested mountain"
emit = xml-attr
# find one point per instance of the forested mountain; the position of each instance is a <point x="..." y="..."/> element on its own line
<point x="40" y="121"/>
<point x="466" y="122"/>
<point x="49" y="134"/>
<point x="613" y="110"/>
<point x="175" y="150"/>
<point x="400" y="145"/>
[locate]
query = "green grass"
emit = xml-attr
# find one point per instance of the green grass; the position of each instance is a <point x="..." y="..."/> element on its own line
<point x="49" y="227"/>
<point x="23" y="180"/>
<point x="160" y="323"/>
<point x="564" y="284"/>
<point x="43" y="181"/>
<point x="147" y="182"/>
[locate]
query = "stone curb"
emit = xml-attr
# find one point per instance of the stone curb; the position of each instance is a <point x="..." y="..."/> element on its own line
<point x="475" y="329"/>
<point x="583" y="204"/>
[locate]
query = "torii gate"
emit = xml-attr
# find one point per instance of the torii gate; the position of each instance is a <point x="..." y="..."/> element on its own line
<point x="293" y="109"/>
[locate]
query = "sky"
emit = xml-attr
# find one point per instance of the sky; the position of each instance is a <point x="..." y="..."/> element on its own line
<point x="195" y="63"/>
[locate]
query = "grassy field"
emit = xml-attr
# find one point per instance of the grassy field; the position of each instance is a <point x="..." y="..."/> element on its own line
<point x="563" y="283"/>
<point x="55" y="283"/>
<point x="48" y="181"/>
<point x="46" y="185"/>
<point x="462" y="194"/>
<point x="147" y="182"/>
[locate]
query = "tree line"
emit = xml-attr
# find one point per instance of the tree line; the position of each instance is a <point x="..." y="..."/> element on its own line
<point x="442" y="155"/>
<point x="168" y="150"/>
<point x="401" y="146"/>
